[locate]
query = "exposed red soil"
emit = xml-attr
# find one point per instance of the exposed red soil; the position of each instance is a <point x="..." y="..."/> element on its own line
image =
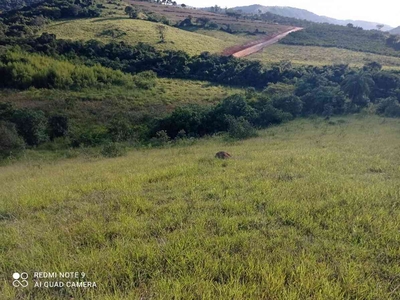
<point x="257" y="45"/>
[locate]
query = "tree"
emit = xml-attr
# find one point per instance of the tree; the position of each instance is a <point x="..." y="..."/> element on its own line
<point x="58" y="126"/>
<point x="183" y="5"/>
<point x="358" y="87"/>
<point x="31" y="125"/>
<point x="380" y="26"/>
<point x="288" y="103"/>
<point x="203" y="21"/>
<point x="131" y="12"/>
<point x="161" y="29"/>
<point x="128" y="10"/>
<point x="10" y="142"/>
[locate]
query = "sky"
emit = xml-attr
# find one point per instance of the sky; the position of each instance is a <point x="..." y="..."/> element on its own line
<point x="382" y="11"/>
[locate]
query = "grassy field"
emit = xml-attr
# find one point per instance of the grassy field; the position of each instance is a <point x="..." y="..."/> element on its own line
<point x="178" y="13"/>
<point x="99" y="105"/>
<point x="167" y="92"/>
<point x="309" y="55"/>
<point x="135" y="31"/>
<point x="308" y="210"/>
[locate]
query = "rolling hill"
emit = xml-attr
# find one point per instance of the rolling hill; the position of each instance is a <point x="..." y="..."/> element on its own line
<point x="109" y="127"/>
<point x="135" y="31"/>
<point x="303" y="14"/>
<point x="395" y="30"/>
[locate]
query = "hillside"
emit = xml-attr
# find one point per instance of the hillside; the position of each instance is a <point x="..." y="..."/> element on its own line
<point x="320" y="56"/>
<point x="303" y="14"/>
<point x="111" y="115"/>
<point x="347" y="37"/>
<point x="395" y="30"/>
<point x="15" y="4"/>
<point x="227" y="22"/>
<point x="134" y="31"/>
<point x="304" y="209"/>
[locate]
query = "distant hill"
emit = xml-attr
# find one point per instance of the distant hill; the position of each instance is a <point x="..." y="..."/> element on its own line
<point x="15" y="4"/>
<point x="303" y="14"/>
<point x="395" y="30"/>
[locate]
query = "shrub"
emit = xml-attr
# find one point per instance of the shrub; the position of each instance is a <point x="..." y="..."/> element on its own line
<point x="120" y="129"/>
<point x="88" y="136"/>
<point x="270" y="115"/>
<point x="317" y="99"/>
<point x="288" y="103"/>
<point x="161" y="138"/>
<point x="10" y="142"/>
<point x="389" y="107"/>
<point x="235" y="106"/>
<point x="6" y="111"/>
<point x="58" y="126"/>
<point x="145" y="80"/>
<point x="240" y="128"/>
<point x="31" y="125"/>
<point x="113" y="150"/>
<point x="190" y="119"/>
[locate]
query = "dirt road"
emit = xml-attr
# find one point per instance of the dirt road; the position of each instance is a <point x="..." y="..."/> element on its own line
<point x="264" y="43"/>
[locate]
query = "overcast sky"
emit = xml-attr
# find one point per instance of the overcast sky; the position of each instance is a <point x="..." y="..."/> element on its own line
<point x="382" y="11"/>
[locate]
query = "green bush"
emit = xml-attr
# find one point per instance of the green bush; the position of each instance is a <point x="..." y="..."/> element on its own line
<point x="161" y="138"/>
<point x="6" y="111"/>
<point x="270" y="115"/>
<point x="288" y="103"/>
<point x="89" y="136"/>
<point x="31" y="125"/>
<point x="58" y="126"/>
<point x="240" y="128"/>
<point x="120" y="129"/>
<point x="190" y="118"/>
<point x="145" y="80"/>
<point x="22" y="70"/>
<point x="10" y="142"/>
<point x="389" y="107"/>
<point x="113" y="150"/>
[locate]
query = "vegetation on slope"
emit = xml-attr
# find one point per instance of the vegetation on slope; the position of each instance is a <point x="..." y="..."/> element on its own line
<point x="321" y="56"/>
<point x="21" y="70"/>
<point x="307" y="210"/>
<point x="27" y="20"/>
<point x="395" y="30"/>
<point x="347" y="37"/>
<point x="218" y="19"/>
<point x="138" y="31"/>
<point x="81" y="66"/>
<point x="302" y="14"/>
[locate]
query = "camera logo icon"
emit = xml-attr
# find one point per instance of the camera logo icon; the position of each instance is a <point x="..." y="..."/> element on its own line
<point x="20" y="280"/>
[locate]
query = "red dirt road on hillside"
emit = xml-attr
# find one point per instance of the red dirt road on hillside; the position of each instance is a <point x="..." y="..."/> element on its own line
<point x="255" y="46"/>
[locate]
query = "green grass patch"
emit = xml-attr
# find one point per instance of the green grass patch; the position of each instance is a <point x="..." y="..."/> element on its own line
<point x="319" y="56"/>
<point x="134" y="31"/>
<point x="90" y="105"/>
<point x="304" y="211"/>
